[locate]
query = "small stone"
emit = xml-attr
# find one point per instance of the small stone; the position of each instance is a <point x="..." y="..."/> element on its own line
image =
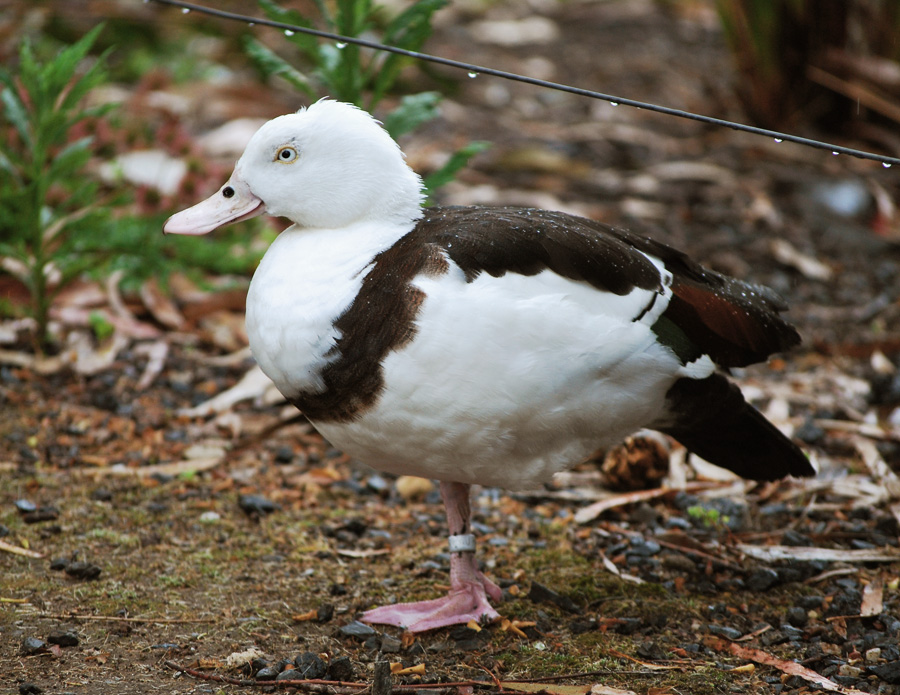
<point x="324" y="613"/>
<point x="269" y="673"/>
<point x="581" y="625"/>
<point x="724" y="631"/>
<point x="310" y="666"/>
<point x="26" y="506"/>
<point x="797" y="617"/>
<point x="287" y="675"/>
<point x="873" y="655"/>
<point x="628" y="626"/>
<point x="32" y="645"/>
<point x="889" y="673"/>
<point x="357" y="629"/>
<point x="257" y="505"/>
<point x="540" y="593"/>
<point x="284" y="454"/>
<point x="762" y="579"/>
<point x="376" y="483"/>
<point x="258" y="662"/>
<point x="30" y="689"/>
<point x="813" y="602"/>
<point x="848" y="670"/>
<point x="340" y="669"/>
<point x="644" y="547"/>
<point x="63" y="639"/>
<point x="390" y="644"/>
<point x="791" y="632"/>
<point x="337" y="589"/>
<point x="59" y="564"/>
<point x="678" y="522"/>
<point x="83" y="570"/>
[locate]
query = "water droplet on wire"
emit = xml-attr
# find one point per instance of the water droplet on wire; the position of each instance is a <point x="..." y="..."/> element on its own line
<point x="778" y="140"/>
<point x="886" y="165"/>
<point x="340" y="45"/>
<point x="835" y="153"/>
<point x="473" y="74"/>
<point x="288" y="32"/>
<point x="185" y="10"/>
<point x="614" y="103"/>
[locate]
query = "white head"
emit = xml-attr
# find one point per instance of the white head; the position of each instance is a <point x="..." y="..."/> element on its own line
<point x="326" y="166"/>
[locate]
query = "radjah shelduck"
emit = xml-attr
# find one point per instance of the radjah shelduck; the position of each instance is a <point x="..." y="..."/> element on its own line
<point x="478" y="345"/>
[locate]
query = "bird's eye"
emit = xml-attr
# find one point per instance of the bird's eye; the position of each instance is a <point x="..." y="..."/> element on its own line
<point x="286" y="155"/>
<point x="228" y="192"/>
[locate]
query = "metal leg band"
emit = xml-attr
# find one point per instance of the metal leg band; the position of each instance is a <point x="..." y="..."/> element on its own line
<point x="462" y="543"/>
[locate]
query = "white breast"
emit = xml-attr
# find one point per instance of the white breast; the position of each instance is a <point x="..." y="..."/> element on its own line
<point x="512" y="379"/>
<point x="305" y="281"/>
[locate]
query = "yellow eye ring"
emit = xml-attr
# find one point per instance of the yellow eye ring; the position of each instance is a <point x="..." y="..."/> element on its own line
<point x="286" y="155"/>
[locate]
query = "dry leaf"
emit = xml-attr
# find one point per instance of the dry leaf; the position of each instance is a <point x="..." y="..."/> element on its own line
<point x="785" y="666"/>
<point x="160" y="306"/>
<point x="304" y="617"/>
<point x="770" y="553"/>
<point x="397" y="669"/>
<point x="872" y="598"/>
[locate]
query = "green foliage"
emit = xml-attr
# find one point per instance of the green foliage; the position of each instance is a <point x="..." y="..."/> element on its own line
<point x="708" y="518"/>
<point x="348" y="73"/>
<point x="56" y="221"/>
<point x="45" y="197"/>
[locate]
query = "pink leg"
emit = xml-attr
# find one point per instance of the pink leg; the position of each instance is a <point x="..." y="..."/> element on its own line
<point x="469" y="588"/>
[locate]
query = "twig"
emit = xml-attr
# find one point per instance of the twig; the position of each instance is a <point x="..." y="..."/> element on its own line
<point x="17" y="550"/>
<point x="699" y="553"/>
<point x="123" y="619"/>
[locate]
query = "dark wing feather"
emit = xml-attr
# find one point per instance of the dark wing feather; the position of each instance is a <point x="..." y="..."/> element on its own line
<point x="734" y="322"/>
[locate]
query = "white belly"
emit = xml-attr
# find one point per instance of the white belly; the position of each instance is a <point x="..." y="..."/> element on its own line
<point x="509" y="380"/>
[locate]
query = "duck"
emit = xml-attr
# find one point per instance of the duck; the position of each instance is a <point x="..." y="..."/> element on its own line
<point x="491" y="346"/>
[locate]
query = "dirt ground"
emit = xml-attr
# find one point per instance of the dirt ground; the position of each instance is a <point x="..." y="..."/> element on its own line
<point x="150" y="549"/>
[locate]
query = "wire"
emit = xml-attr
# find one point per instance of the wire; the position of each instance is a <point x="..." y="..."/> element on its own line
<point x="481" y="70"/>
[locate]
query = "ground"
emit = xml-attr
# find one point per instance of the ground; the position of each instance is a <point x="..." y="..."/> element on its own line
<point x="675" y="592"/>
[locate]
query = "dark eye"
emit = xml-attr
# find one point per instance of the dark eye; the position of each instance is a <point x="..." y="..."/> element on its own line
<point x="228" y="192"/>
<point x="286" y="155"/>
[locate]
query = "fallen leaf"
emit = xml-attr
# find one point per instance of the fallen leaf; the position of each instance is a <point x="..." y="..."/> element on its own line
<point x="771" y="553"/>
<point x="304" y="617"/>
<point x="785" y="666"/>
<point x="872" y="598"/>
<point x="160" y="306"/>
<point x="397" y="669"/>
<point x="784" y="252"/>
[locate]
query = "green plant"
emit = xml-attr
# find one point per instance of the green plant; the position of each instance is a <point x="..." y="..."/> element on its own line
<point x="708" y="518"/>
<point x="56" y="221"/>
<point x="347" y="72"/>
<point x="45" y="196"/>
